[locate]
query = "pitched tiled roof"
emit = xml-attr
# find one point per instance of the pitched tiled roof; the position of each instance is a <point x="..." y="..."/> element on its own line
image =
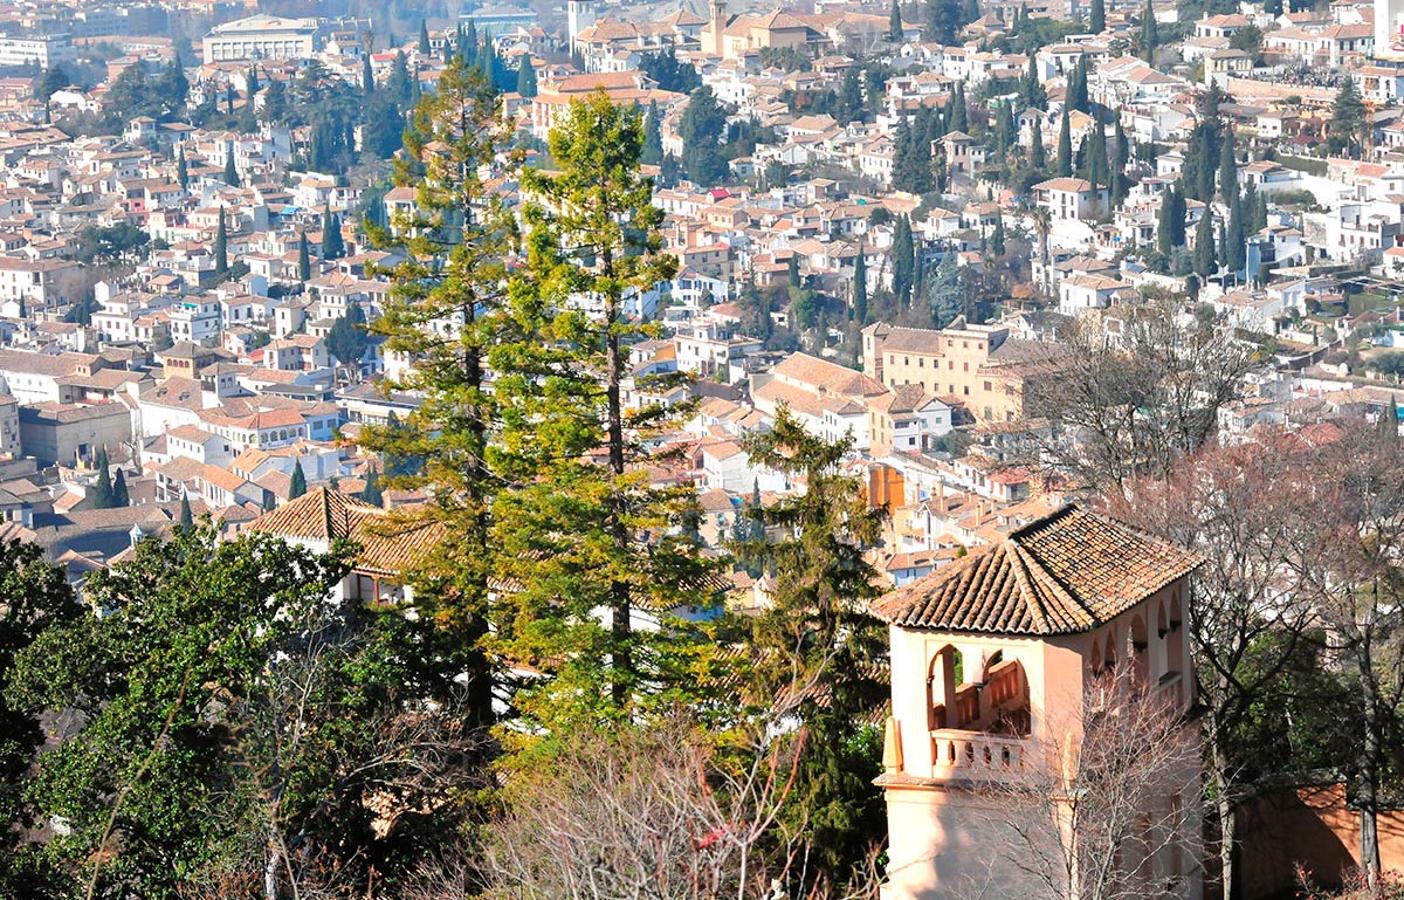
<point x="1065" y="573"/>
<point x="388" y="546"/>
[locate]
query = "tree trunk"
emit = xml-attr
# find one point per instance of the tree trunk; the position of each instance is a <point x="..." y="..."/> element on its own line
<point x="621" y="625"/>
<point x="1368" y="776"/>
<point x="1228" y="822"/>
<point x="270" y="870"/>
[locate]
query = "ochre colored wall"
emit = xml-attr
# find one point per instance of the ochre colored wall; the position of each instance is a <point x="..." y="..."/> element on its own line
<point x="1310" y="826"/>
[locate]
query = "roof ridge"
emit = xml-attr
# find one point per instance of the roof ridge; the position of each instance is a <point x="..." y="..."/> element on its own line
<point x="1021" y="578"/>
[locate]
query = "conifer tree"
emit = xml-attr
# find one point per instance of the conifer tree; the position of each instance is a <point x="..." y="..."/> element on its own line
<point x="1120" y="185"/>
<point x="231" y="174"/>
<point x="526" y="77"/>
<point x="1150" y="38"/>
<point x="102" y="488"/>
<point x="1228" y="169"/>
<point x="1235" y="239"/>
<point x="453" y="246"/>
<point x="333" y="245"/>
<point x="1347" y="128"/>
<point x="367" y="75"/>
<point x="1037" y="157"/>
<point x="894" y="23"/>
<point x="304" y="259"/>
<point x="903" y="262"/>
<point x="817" y="628"/>
<point x="1204" y="261"/>
<point x="959" y="120"/>
<point x="1035" y="96"/>
<point x="653" y="136"/>
<point x="1095" y="167"/>
<point x="221" y="246"/>
<point x="568" y="444"/>
<point x="1097" y="22"/>
<point x="423" y="38"/>
<point x="120" y="497"/>
<point x="372" y="493"/>
<point x="253" y="81"/>
<point x="1063" y="165"/>
<point x="186" y="519"/>
<point x="1077" y="86"/>
<point x="997" y="239"/>
<point x="860" y="286"/>
<point x="182" y="172"/>
<point x="298" y="485"/>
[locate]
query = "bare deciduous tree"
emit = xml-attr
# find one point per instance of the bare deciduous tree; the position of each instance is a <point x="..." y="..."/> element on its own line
<point x="1237" y="507"/>
<point x="1348" y="567"/>
<point x="1106" y="808"/>
<point x="1139" y="387"/>
<point x="646" y="813"/>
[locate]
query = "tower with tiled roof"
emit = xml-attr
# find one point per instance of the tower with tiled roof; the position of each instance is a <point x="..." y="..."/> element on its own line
<point x="991" y="656"/>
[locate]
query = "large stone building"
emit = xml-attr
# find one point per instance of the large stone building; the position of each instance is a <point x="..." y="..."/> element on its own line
<point x="994" y="659"/>
<point x="262" y="37"/>
<point x="979" y="367"/>
<point x="732" y="37"/>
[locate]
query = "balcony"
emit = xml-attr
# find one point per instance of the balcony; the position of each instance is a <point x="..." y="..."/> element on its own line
<point x="974" y="756"/>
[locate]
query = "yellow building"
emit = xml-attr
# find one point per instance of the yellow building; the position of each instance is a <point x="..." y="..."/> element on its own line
<point x="732" y="37"/>
<point x="978" y="367"/>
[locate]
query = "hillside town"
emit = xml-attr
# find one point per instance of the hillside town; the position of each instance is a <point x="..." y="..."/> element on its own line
<point x="1025" y="273"/>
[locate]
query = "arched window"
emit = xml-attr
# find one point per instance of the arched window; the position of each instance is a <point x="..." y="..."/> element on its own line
<point x="941" y="681"/>
<point x="1175" y="640"/>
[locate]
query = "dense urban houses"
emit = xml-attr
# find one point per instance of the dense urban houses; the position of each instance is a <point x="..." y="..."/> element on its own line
<point x="842" y="448"/>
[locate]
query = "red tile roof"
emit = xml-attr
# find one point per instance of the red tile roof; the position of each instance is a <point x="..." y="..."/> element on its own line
<point x="1065" y="573"/>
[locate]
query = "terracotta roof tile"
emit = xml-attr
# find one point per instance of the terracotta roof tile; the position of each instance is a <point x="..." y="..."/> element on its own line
<point x="1065" y="573"/>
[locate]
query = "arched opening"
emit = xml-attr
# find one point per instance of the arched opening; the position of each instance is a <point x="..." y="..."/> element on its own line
<point x="1140" y="653"/>
<point x="1175" y="639"/>
<point x="941" y="680"/>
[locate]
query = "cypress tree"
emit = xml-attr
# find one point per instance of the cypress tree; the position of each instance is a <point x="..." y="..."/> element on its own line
<point x="526" y="77"/>
<point x="903" y="262"/>
<point x="231" y="174"/>
<point x="304" y="259"/>
<point x="1033" y="92"/>
<point x="997" y="241"/>
<point x="894" y="23"/>
<point x="1228" y="169"/>
<point x="253" y="81"/>
<point x="959" y="120"/>
<point x="1119" y="185"/>
<point x="1078" y="86"/>
<point x="1235" y="240"/>
<point x="1063" y="166"/>
<point x="182" y="172"/>
<point x="371" y="493"/>
<point x="102" y="488"/>
<point x="1204" y="262"/>
<point x="333" y="247"/>
<point x="423" y="38"/>
<point x="653" y="136"/>
<point x="1037" y="158"/>
<point x="221" y="247"/>
<point x="120" y="498"/>
<point x="860" y="287"/>
<point x="367" y="75"/>
<point x="1098" y="21"/>
<point x="1149" y="36"/>
<point x="1095" y="168"/>
<point x="1180" y="212"/>
<point x="1165" y="226"/>
<point x="1258" y="220"/>
<point x="298" y="487"/>
<point x="187" y="519"/>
